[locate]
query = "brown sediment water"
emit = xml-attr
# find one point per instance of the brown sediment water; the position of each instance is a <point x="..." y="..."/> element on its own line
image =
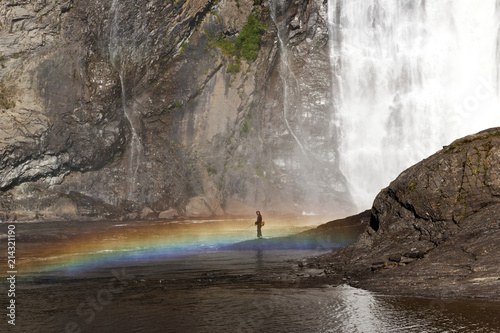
<point x="179" y="276"/>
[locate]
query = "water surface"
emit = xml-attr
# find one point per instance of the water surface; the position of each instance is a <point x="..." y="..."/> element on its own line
<point x="160" y="276"/>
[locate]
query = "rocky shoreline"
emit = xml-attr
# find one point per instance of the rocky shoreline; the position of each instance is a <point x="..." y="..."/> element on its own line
<point x="433" y="232"/>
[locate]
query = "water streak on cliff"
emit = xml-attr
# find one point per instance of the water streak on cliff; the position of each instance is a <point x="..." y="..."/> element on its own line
<point x="414" y="76"/>
<point x="120" y="56"/>
<point x="288" y="78"/>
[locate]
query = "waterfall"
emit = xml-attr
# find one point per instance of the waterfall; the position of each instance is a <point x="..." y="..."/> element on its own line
<point x="121" y="52"/>
<point x="309" y="130"/>
<point x="413" y="76"/>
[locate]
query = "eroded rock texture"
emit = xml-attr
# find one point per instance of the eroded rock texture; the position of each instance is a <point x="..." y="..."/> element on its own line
<point x="435" y="231"/>
<point x="113" y="109"/>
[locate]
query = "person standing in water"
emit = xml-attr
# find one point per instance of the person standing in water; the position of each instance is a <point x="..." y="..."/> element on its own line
<point x="258" y="223"/>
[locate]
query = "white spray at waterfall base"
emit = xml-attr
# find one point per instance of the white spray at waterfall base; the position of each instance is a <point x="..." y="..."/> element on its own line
<point x="414" y="76"/>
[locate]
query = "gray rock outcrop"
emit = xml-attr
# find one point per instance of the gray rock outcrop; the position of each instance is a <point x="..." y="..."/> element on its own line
<point x="435" y="230"/>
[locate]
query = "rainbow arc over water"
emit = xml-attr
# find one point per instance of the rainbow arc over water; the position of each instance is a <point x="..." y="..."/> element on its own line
<point x="123" y="244"/>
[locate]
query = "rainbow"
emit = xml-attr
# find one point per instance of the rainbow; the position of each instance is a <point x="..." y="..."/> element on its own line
<point x="124" y="244"/>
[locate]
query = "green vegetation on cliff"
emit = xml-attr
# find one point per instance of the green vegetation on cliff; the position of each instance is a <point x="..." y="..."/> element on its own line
<point x="245" y="45"/>
<point x="5" y="101"/>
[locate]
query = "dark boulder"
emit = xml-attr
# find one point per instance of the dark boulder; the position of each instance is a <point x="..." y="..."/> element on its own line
<point x="442" y="216"/>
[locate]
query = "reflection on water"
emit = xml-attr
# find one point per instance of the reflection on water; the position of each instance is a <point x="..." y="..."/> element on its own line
<point x="341" y="309"/>
<point x="259" y="260"/>
<point x="204" y="289"/>
<point x="145" y="308"/>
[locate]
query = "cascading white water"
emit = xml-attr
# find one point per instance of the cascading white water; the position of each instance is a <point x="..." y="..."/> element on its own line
<point x="414" y="75"/>
<point x="119" y="49"/>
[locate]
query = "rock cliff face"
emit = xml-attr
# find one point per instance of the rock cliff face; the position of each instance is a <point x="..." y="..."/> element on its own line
<point x="435" y="231"/>
<point x="112" y="109"/>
